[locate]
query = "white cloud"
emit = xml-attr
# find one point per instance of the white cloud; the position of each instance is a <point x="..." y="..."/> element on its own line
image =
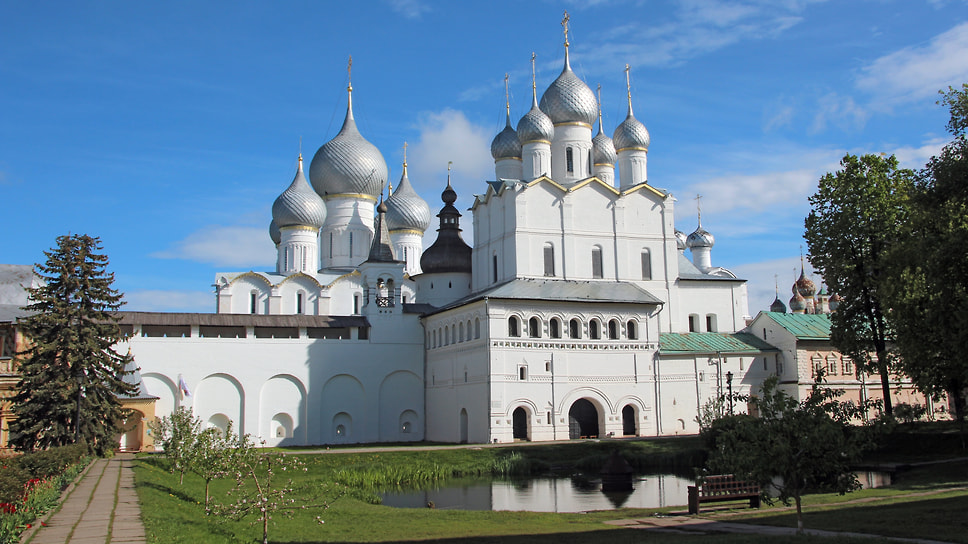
<point x="235" y="246"/>
<point x="778" y="115"/>
<point x="917" y="157"/>
<point x="411" y="9"/>
<point x="919" y="72"/>
<point x="841" y="111"/>
<point x="156" y="300"/>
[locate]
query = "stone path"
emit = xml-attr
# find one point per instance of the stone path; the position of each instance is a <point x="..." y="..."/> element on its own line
<point x="101" y="508"/>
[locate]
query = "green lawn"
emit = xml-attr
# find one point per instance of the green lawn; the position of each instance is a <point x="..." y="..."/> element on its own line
<point x="173" y="512"/>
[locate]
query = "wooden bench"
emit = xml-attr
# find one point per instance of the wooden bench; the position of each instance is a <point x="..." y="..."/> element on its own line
<point x="722" y="488"/>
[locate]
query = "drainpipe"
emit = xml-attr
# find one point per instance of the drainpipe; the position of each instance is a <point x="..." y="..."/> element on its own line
<point x="554" y="416"/>
<point x="487" y="354"/>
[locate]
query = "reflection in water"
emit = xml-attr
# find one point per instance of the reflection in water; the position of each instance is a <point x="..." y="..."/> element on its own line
<point x="569" y="494"/>
<point x="545" y="495"/>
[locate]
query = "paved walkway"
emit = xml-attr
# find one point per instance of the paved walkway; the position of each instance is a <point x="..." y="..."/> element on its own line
<point x="102" y="508"/>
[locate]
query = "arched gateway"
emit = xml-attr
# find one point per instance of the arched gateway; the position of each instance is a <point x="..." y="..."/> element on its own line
<point x="582" y="420"/>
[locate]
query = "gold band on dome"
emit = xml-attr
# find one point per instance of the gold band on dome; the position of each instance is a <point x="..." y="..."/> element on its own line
<point x="299" y="227"/>
<point x="507" y="158"/>
<point x="406" y="231"/>
<point x="536" y="142"/>
<point x="573" y="124"/>
<point x="632" y="149"/>
<point x="603" y="164"/>
<point x="371" y="198"/>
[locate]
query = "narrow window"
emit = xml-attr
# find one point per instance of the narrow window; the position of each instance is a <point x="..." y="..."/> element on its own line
<point x="574" y="328"/>
<point x="331" y="245"/>
<point x="593" y="332"/>
<point x="513" y="326"/>
<point x="596" y="262"/>
<point x="630" y="331"/>
<point x="522" y="373"/>
<point x="613" y="330"/>
<point x="253" y="299"/>
<point x="764" y="363"/>
<point x="711" y="322"/>
<point x="477" y="328"/>
<point x="832" y="365"/>
<point x="569" y="160"/>
<point x="299" y="303"/>
<point x="494" y="265"/>
<point x="351" y="245"/>
<point x="461" y="332"/>
<point x="589" y="162"/>
<point x="646" y="265"/>
<point x="534" y="328"/>
<point x="554" y="328"/>
<point x="356" y="304"/>
<point x="693" y="323"/>
<point x="549" y="260"/>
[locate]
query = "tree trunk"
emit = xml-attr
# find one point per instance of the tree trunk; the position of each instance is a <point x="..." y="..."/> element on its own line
<point x="206" y="492"/>
<point x="799" y="515"/>
<point x="885" y="382"/>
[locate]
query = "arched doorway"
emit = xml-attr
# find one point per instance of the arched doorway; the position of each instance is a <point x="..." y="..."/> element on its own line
<point x="628" y="420"/>
<point x="463" y="425"/>
<point x="520" y="421"/>
<point x="131" y="432"/>
<point x="582" y="420"/>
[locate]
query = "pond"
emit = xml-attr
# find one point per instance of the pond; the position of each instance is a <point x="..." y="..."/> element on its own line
<point x="562" y="494"/>
<point x="550" y="494"/>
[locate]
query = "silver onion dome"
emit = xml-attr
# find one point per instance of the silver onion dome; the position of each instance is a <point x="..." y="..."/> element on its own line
<point x="603" y="150"/>
<point x="568" y="99"/>
<point x="348" y="164"/>
<point x="631" y="134"/>
<point x="299" y="204"/>
<point x="405" y="209"/>
<point x="700" y="238"/>
<point x="535" y="126"/>
<point x="274" y="233"/>
<point x="680" y="240"/>
<point x="506" y="144"/>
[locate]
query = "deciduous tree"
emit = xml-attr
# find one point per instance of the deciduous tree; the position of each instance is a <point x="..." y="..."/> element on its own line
<point x="855" y="221"/>
<point x="791" y="447"/>
<point x="70" y="375"/>
<point x="929" y="298"/>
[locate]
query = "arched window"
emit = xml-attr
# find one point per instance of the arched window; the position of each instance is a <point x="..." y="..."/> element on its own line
<point x="513" y="328"/>
<point x="574" y="329"/>
<point x="594" y="332"/>
<point x="630" y="331"/>
<point x="693" y="323"/>
<point x="477" y="328"/>
<point x="569" y="159"/>
<point x="434" y="339"/>
<point x="589" y="162"/>
<point x="613" y="329"/>
<point x="522" y="372"/>
<point x="356" y="304"/>
<point x="494" y="266"/>
<point x="253" y="301"/>
<point x="461" y="332"/>
<point x="299" y="302"/>
<point x="534" y="328"/>
<point x="351" y="245"/>
<point x="596" y="262"/>
<point x="646" y="265"/>
<point x="711" y="322"/>
<point x="554" y="328"/>
<point x="549" y="259"/>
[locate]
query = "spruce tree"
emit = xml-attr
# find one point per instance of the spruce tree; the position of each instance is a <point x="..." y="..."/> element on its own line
<point x="70" y="367"/>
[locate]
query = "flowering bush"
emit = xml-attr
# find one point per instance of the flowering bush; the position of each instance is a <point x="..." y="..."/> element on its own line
<point x="42" y="476"/>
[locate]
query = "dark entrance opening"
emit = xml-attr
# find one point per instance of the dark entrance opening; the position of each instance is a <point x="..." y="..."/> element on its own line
<point x="628" y="420"/>
<point x="582" y="420"/>
<point x="520" y="421"/>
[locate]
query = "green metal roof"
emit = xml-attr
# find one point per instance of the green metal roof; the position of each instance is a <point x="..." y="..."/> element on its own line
<point x="712" y="342"/>
<point x="804" y="326"/>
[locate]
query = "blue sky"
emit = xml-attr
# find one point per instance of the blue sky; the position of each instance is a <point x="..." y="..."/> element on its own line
<point x="168" y="129"/>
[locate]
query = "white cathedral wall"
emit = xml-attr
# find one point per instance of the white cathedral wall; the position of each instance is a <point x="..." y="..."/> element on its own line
<point x="307" y="387"/>
<point x="724" y="300"/>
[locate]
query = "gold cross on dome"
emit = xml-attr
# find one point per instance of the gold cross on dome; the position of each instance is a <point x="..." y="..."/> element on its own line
<point x="349" y="73"/>
<point x="564" y="24"/>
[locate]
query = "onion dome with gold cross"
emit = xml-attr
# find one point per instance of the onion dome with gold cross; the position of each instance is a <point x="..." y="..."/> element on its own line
<point x="299" y="205"/>
<point x="631" y="133"/>
<point x="405" y="209"/>
<point x="348" y="164"/>
<point x="568" y="100"/>
<point x="603" y="149"/>
<point x="535" y="126"/>
<point x="506" y="144"/>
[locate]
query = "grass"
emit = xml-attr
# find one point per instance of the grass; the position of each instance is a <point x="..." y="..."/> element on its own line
<point x="173" y="512"/>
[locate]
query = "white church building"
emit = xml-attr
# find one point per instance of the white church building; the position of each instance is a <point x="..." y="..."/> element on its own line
<point x="551" y="325"/>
